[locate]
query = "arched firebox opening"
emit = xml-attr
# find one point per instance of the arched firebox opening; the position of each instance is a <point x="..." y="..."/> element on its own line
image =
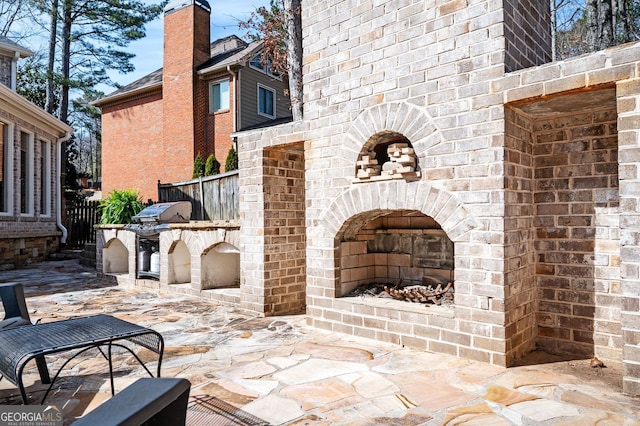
<point x="396" y="254"/>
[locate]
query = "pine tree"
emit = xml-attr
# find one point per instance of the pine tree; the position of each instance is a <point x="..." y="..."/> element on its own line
<point x="212" y="167"/>
<point x="232" y="161"/>
<point x="198" y="167"/>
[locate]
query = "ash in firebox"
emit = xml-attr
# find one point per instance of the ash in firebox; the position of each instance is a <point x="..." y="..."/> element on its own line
<point x="430" y="292"/>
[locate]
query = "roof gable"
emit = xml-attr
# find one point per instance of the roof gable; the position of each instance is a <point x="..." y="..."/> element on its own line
<point x="8" y="46"/>
<point x="227" y="51"/>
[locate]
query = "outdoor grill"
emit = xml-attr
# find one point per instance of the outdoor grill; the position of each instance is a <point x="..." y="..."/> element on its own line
<point x="177" y="212"/>
<point x="149" y="223"/>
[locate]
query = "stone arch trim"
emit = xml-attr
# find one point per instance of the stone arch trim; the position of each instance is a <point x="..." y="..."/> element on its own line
<point x="436" y="202"/>
<point x="109" y="242"/>
<point x="411" y="121"/>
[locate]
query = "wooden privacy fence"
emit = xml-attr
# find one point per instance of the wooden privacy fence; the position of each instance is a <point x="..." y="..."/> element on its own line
<point x="79" y="221"/>
<point x="212" y="197"/>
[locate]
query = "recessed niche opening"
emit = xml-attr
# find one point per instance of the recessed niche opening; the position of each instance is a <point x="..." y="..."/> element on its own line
<point x="387" y="156"/>
<point x="115" y="257"/>
<point x="402" y="255"/>
<point x="220" y="267"/>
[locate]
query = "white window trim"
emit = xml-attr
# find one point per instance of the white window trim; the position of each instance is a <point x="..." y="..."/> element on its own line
<point x="213" y="83"/>
<point x="30" y="174"/>
<point x="262" y="86"/>
<point x="45" y="179"/>
<point x="9" y="189"/>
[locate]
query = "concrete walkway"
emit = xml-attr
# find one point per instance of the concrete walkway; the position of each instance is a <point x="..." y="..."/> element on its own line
<point x="283" y="372"/>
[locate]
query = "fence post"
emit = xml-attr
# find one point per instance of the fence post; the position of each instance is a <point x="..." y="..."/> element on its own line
<point x="201" y="198"/>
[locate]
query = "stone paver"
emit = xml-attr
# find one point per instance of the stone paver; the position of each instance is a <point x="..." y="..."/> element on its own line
<point x="285" y="372"/>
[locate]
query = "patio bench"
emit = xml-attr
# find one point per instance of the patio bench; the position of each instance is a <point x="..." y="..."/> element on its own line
<point x="160" y="402"/>
<point x="20" y="345"/>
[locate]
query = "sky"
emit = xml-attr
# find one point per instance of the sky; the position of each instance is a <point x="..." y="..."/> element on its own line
<point x="225" y="15"/>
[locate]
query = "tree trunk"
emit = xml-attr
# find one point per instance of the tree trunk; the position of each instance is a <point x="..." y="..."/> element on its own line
<point x="53" y="33"/>
<point x="625" y="8"/>
<point x="293" y="25"/>
<point x="554" y="30"/>
<point x="66" y="59"/>
<point x="600" y="24"/>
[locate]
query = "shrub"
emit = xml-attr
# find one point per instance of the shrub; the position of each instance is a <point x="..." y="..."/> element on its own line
<point x="198" y="167"/>
<point x="232" y="161"/>
<point x="120" y="206"/>
<point x="212" y="167"/>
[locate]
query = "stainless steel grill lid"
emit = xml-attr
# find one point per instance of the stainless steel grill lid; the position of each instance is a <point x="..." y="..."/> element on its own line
<point x="176" y="212"/>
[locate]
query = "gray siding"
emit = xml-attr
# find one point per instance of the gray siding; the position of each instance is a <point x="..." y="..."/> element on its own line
<point x="5" y="70"/>
<point x="248" y="113"/>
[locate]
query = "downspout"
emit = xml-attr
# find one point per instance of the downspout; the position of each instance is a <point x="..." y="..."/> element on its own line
<point x="63" y="239"/>
<point x="235" y="98"/>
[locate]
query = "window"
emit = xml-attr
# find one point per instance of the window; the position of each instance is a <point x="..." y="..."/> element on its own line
<point x="6" y="167"/>
<point x="260" y="65"/>
<point x="45" y="178"/>
<point x="266" y="101"/>
<point x="26" y="173"/>
<point x="219" y="96"/>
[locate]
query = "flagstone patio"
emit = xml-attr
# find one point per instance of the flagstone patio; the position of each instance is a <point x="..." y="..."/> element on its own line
<point x="281" y="371"/>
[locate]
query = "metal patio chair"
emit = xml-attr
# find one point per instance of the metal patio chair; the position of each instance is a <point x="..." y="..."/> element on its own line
<point x="17" y="315"/>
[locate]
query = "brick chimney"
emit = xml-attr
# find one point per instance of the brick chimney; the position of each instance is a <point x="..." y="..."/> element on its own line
<point x="186" y="45"/>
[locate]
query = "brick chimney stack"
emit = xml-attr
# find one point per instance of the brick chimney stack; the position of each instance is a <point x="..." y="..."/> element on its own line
<point x="186" y="45"/>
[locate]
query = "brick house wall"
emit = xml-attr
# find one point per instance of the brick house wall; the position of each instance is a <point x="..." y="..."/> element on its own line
<point x="186" y="45"/>
<point x="138" y="148"/>
<point x="26" y="238"/>
<point x="123" y="126"/>
<point x="177" y="124"/>
<point x="219" y="125"/>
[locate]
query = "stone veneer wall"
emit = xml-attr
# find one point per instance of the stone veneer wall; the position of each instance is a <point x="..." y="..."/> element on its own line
<point x="18" y="252"/>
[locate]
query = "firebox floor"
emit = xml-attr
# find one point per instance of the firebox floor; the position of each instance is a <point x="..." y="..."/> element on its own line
<point x="286" y="373"/>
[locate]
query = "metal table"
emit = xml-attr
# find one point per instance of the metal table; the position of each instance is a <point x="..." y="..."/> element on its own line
<point x="20" y="345"/>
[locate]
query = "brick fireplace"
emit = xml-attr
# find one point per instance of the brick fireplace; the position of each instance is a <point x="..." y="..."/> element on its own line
<point x="393" y="248"/>
<point x="524" y="188"/>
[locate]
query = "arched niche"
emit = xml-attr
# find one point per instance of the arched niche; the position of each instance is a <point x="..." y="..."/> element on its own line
<point x="179" y="263"/>
<point x="220" y="266"/>
<point x="115" y="258"/>
<point x="387" y="155"/>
